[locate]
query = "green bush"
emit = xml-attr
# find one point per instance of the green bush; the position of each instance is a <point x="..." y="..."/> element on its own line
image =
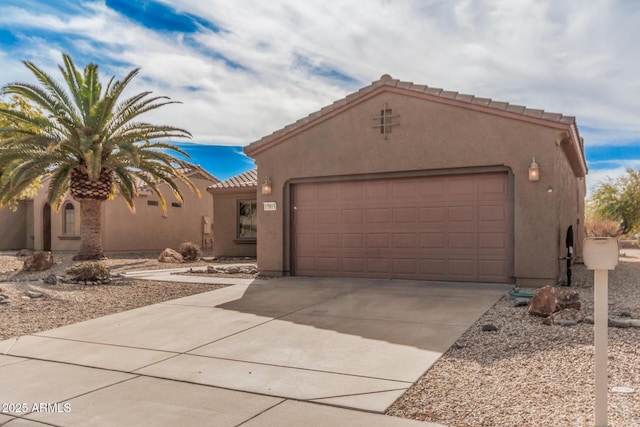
<point x="88" y="271"/>
<point x="189" y="251"/>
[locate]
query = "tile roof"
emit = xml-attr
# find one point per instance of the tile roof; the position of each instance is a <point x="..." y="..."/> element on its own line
<point x="448" y="96"/>
<point x="198" y="170"/>
<point x="244" y="180"/>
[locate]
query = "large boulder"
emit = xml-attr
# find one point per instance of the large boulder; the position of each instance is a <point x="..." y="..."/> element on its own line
<point x="170" y="256"/>
<point x="39" y="262"/>
<point x="543" y="302"/>
<point x="549" y="299"/>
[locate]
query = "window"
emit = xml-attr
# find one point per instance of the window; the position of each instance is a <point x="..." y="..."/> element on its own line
<point x="176" y="204"/>
<point x="68" y="219"/>
<point x="386" y="120"/>
<point x="152" y="202"/>
<point x="247" y="227"/>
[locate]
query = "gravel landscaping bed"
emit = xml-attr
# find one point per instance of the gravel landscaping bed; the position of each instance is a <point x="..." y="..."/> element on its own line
<point x="65" y="303"/>
<point x="530" y="374"/>
<point x="524" y="374"/>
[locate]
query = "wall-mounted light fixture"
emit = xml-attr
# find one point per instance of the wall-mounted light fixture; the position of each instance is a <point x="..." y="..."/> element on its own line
<point x="266" y="186"/>
<point x="534" y="171"/>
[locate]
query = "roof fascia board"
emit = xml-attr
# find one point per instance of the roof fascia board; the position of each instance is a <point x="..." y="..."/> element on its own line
<point x="226" y="190"/>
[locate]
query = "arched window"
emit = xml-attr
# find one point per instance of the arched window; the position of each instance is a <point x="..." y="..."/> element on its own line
<point x="69" y="219"/>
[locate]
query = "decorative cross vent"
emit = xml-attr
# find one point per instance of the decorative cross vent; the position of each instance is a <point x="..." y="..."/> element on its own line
<point x="386" y="120"/>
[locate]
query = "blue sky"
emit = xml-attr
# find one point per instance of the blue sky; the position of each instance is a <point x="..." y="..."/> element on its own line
<point x="244" y="69"/>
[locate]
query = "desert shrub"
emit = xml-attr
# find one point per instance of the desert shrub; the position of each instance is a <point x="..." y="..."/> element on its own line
<point x="189" y="251"/>
<point x="87" y="271"/>
<point x="602" y="228"/>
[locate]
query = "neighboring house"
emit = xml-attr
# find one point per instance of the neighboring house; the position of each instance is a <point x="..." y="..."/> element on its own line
<point x="235" y="209"/>
<point x="36" y="226"/>
<point x="404" y="181"/>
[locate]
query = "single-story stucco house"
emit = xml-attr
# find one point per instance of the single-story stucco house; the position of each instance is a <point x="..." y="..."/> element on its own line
<point x="406" y="181"/>
<point x="35" y="225"/>
<point x="235" y="210"/>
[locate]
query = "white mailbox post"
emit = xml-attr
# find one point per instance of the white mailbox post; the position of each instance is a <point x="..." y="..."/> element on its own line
<point x="601" y="255"/>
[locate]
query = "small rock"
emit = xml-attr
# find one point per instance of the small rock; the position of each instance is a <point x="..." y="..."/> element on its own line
<point x="4" y="301"/>
<point x="459" y="345"/>
<point x="5" y="296"/>
<point x="488" y="327"/>
<point x="520" y="302"/>
<point x="34" y="294"/>
<point x="26" y="298"/>
<point x="233" y="270"/>
<point x="51" y="279"/>
<point x="625" y="314"/>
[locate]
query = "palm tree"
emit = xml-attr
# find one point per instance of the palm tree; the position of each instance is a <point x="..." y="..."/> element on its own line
<point x="88" y="143"/>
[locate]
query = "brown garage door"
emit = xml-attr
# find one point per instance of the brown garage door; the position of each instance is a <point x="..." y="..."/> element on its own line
<point x="453" y="228"/>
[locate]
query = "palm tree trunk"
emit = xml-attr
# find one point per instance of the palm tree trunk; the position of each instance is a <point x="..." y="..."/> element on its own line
<point x="90" y="230"/>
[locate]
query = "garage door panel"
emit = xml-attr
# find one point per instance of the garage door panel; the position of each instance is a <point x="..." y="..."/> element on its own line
<point x="352" y="216"/>
<point x="492" y="214"/>
<point x="377" y="190"/>
<point x="433" y="267"/>
<point x="462" y="214"/>
<point x="492" y="268"/>
<point x="353" y="192"/>
<point x="306" y="217"/>
<point x="462" y="268"/>
<point x="329" y="241"/>
<point x="433" y="241"/>
<point x="405" y="266"/>
<point x="378" y="265"/>
<point x="462" y="241"/>
<point x="431" y="228"/>
<point x="306" y="240"/>
<point x="461" y="188"/>
<point x="354" y="265"/>
<point x="405" y="215"/>
<point x="328" y="264"/>
<point x="378" y="241"/>
<point x="492" y="188"/>
<point x="404" y="240"/>
<point x="328" y="216"/>
<point x="355" y="241"/>
<point x="404" y="190"/>
<point x="378" y="216"/>
<point x="493" y="241"/>
<point x="436" y="214"/>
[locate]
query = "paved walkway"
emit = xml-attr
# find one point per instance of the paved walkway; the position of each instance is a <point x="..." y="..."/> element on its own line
<point x="279" y="352"/>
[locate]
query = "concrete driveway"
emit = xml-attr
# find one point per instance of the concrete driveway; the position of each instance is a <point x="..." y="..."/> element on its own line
<point x="265" y="352"/>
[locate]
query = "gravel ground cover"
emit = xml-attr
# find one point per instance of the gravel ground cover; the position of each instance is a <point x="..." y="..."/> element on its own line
<point x="524" y="374"/>
<point x="530" y="374"/>
<point x="64" y="304"/>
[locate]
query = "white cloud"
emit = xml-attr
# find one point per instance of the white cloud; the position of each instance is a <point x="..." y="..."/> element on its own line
<point x="562" y="56"/>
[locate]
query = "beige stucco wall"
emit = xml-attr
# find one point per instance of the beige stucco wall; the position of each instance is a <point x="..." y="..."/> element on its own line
<point x="431" y="137"/>
<point x="13" y="228"/>
<point x="149" y="229"/>
<point x="122" y="230"/>
<point x="225" y="229"/>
